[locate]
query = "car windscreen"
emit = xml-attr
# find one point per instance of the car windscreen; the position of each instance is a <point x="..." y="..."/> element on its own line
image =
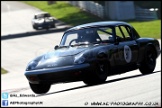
<point x="88" y="35"/>
<point x="42" y="16"/>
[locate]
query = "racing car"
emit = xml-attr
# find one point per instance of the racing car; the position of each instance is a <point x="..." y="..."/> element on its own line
<point x="90" y="53"/>
<point x="43" y="20"/>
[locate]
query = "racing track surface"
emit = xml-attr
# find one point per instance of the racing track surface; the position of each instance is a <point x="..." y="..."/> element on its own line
<point x="142" y="90"/>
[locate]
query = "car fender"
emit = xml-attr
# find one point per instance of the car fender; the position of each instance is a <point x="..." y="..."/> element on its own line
<point x="150" y="45"/>
<point x="101" y="54"/>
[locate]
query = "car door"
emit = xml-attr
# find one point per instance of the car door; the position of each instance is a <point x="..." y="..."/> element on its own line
<point x="127" y="47"/>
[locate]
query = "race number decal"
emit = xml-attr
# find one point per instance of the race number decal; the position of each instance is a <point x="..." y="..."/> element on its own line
<point x="127" y="53"/>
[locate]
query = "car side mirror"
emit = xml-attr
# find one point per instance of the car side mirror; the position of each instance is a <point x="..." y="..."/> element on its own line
<point x="56" y="47"/>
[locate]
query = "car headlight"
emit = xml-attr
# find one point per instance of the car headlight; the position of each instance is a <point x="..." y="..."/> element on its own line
<point x="79" y="59"/>
<point x="32" y="65"/>
<point x="48" y="20"/>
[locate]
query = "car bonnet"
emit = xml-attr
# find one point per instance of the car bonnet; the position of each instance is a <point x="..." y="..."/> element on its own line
<point x="63" y="52"/>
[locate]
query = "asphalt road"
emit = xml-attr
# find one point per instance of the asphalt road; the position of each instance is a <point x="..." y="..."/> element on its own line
<point x="119" y="90"/>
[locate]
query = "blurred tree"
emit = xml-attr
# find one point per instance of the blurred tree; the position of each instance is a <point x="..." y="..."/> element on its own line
<point x="150" y="4"/>
<point x="100" y="2"/>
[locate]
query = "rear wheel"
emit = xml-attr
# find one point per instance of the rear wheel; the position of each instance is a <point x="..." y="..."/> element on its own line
<point x="149" y="62"/>
<point x="40" y="88"/>
<point x="97" y="75"/>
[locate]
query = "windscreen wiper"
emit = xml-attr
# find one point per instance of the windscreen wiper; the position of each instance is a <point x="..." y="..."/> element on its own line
<point x="63" y="47"/>
<point x="79" y="44"/>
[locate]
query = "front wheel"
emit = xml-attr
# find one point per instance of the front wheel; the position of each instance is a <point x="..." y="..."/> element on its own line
<point x="34" y="27"/>
<point x="40" y="88"/>
<point x="149" y="62"/>
<point x="97" y="75"/>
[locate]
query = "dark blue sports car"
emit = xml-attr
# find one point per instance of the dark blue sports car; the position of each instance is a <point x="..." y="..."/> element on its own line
<point x="91" y="52"/>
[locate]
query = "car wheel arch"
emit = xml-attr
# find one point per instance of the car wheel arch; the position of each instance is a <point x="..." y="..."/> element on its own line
<point x="101" y="55"/>
<point x="150" y="45"/>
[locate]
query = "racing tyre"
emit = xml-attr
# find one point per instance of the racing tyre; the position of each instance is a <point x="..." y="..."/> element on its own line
<point x="97" y="75"/>
<point x="149" y="62"/>
<point x="40" y="88"/>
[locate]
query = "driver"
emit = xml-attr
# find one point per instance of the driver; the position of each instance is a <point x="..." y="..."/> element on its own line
<point x="92" y="36"/>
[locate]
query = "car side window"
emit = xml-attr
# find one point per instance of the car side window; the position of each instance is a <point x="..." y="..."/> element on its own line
<point x="123" y="33"/>
<point x="127" y="33"/>
<point x="106" y="35"/>
<point x="47" y="15"/>
<point x="119" y="34"/>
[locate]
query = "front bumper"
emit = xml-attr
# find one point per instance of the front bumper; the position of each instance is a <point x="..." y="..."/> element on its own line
<point x="59" y="74"/>
<point x="44" y="25"/>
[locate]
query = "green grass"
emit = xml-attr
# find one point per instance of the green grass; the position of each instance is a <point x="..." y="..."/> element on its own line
<point x="3" y="71"/>
<point x="74" y="16"/>
<point x="148" y="28"/>
<point x="65" y="12"/>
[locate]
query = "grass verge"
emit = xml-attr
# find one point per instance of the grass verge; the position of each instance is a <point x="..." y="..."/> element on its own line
<point x="75" y="16"/>
<point x="65" y="12"/>
<point x="148" y="28"/>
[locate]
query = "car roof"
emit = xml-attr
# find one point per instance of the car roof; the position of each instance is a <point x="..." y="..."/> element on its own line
<point x="99" y="24"/>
